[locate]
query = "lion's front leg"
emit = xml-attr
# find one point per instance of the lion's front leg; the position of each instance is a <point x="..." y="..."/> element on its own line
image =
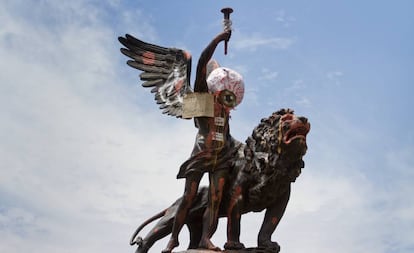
<point x="272" y="218"/>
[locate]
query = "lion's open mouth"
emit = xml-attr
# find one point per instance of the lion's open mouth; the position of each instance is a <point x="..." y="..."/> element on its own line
<point x="298" y="130"/>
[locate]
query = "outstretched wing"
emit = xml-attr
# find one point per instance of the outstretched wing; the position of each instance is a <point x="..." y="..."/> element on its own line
<point x="165" y="70"/>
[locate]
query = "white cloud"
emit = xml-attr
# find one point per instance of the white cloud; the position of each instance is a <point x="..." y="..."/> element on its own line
<point x="252" y="42"/>
<point x="283" y="18"/>
<point x="268" y="75"/>
<point x="82" y="155"/>
<point x="72" y="137"/>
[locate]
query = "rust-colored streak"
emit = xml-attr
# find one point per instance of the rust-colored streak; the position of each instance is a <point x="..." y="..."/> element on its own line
<point x="178" y="85"/>
<point x="187" y="55"/>
<point x="238" y="191"/>
<point x="148" y="58"/>
<point x="235" y="197"/>
<point x="274" y="220"/>
<point x="221" y="183"/>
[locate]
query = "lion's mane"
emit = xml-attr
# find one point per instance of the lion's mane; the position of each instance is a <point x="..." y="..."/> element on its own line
<point x="260" y="171"/>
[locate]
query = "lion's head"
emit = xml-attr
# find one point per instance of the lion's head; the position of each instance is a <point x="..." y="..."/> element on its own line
<point x="278" y="144"/>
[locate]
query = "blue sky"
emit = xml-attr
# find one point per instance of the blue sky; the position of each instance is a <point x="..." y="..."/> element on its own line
<point x="86" y="156"/>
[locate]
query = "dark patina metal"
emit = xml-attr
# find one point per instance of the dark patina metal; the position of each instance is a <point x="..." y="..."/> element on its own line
<point x="249" y="177"/>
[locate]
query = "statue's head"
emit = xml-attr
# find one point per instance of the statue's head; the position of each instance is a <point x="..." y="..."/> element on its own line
<point x="227" y="85"/>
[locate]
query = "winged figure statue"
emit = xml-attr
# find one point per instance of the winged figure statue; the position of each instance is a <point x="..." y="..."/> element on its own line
<point x="248" y="177"/>
<point x="217" y="90"/>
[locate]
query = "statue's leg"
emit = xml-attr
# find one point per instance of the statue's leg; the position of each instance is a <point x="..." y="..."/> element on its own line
<point x="190" y="192"/>
<point x="210" y="218"/>
<point x="233" y="220"/>
<point x="272" y="218"/>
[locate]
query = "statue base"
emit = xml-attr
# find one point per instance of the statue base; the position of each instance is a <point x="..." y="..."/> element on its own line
<point x="246" y="250"/>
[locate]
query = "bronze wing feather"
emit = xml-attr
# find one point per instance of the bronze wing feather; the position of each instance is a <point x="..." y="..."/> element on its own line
<point x="166" y="70"/>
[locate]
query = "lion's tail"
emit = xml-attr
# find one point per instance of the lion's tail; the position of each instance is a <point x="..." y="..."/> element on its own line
<point x="138" y="240"/>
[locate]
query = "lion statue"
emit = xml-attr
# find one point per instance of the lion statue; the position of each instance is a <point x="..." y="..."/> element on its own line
<point x="260" y="179"/>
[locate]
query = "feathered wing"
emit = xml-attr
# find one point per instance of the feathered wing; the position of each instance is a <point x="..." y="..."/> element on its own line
<point x="165" y="70"/>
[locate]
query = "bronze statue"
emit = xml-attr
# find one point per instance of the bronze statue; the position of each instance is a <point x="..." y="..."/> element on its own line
<point x="168" y="71"/>
<point x="242" y="178"/>
<point x="259" y="179"/>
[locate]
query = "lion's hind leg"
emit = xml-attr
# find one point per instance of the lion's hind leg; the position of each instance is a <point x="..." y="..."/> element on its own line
<point x="161" y="229"/>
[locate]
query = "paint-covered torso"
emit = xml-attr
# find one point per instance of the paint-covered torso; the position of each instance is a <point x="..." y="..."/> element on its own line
<point x="213" y="132"/>
<point x="214" y="147"/>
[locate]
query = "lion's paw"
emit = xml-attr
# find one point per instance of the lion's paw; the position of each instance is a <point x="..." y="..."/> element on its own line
<point x="142" y="249"/>
<point x="234" y="245"/>
<point x="274" y="246"/>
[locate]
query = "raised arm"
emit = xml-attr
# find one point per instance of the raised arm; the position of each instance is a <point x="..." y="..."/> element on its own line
<point x="200" y="82"/>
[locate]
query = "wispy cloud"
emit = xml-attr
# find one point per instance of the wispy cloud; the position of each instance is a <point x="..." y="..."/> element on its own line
<point x="82" y="151"/>
<point x="252" y="42"/>
<point x="283" y="18"/>
<point x="71" y="136"/>
<point x="335" y="76"/>
<point x="268" y="75"/>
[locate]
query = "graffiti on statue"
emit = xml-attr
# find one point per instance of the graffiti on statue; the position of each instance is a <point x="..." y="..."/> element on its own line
<point x="243" y="177"/>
